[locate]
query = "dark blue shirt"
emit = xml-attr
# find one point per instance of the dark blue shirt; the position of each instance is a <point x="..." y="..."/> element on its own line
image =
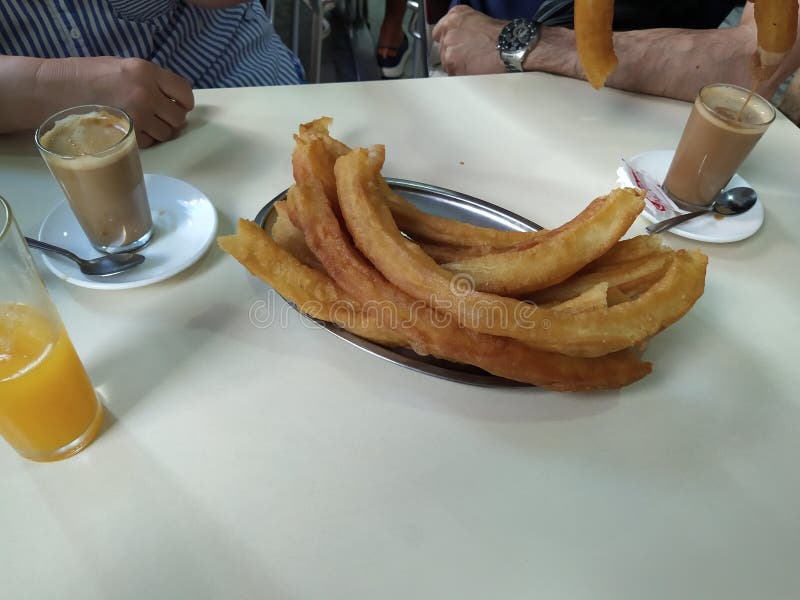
<point x="504" y="9"/>
<point x="628" y="14"/>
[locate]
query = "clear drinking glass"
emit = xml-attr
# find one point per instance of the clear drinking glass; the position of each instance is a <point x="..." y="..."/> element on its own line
<point x="92" y="152"/>
<point x="725" y="124"/>
<point x="48" y="407"/>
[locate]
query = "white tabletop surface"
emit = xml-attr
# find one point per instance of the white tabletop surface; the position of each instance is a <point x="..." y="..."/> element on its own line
<point x="250" y="456"/>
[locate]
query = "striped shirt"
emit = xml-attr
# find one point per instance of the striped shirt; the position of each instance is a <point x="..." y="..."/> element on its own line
<point x="225" y="47"/>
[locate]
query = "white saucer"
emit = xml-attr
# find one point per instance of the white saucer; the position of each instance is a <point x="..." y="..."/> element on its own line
<point x="707" y="228"/>
<point x="184" y="221"/>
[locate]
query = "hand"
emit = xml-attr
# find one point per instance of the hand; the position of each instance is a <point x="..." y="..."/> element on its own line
<point x="156" y="99"/>
<point x="468" y="42"/>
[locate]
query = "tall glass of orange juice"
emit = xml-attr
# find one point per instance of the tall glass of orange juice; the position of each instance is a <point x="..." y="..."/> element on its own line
<point x="48" y="407"/>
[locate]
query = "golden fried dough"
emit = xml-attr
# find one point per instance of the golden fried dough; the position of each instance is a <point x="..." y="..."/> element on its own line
<point x="406" y="265"/>
<point x="291" y="239"/>
<point x="428" y="332"/>
<point x="314" y="155"/>
<point x="594" y="39"/>
<point x="339" y="255"/>
<point x="561" y="252"/>
<point x="312" y="292"/>
<point x="776" y="25"/>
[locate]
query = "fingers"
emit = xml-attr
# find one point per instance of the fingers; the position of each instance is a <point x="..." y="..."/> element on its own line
<point x="451" y="63"/>
<point x="144" y="140"/>
<point x="175" y="87"/>
<point x="156" y="128"/>
<point x="438" y="29"/>
<point x="468" y="42"/>
<point x="449" y="21"/>
<point x="443" y="34"/>
<point x="171" y="113"/>
<point x="156" y="99"/>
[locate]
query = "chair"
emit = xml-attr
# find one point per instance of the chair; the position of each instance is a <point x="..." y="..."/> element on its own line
<point x="310" y="27"/>
<point x="418" y="28"/>
<point x="425" y="14"/>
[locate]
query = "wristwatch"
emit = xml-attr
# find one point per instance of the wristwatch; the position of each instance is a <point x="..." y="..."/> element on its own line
<point x="516" y="41"/>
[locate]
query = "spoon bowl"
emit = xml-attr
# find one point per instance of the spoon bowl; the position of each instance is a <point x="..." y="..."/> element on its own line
<point x="735" y="201"/>
<point x="102" y="266"/>
<point x="730" y="202"/>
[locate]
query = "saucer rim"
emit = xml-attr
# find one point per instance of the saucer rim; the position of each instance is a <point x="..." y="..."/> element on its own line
<point x="99" y="284"/>
<point x="757" y="211"/>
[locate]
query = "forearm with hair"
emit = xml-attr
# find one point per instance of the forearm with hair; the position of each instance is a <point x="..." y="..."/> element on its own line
<point x="665" y="62"/>
<point x="676" y="63"/>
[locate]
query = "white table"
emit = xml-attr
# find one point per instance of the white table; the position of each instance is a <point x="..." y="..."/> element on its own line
<point x="279" y="462"/>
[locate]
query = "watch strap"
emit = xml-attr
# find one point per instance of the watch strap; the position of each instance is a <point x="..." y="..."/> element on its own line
<point x="515" y="42"/>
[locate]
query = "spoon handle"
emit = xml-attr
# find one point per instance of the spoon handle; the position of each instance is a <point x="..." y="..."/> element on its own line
<point x="50" y="248"/>
<point x="670" y="223"/>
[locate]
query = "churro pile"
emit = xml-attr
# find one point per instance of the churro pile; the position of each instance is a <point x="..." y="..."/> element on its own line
<point x="567" y="309"/>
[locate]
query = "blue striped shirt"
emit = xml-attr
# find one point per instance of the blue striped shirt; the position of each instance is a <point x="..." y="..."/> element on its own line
<point x="227" y="47"/>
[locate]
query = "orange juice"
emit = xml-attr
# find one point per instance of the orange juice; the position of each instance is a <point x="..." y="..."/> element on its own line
<point x="48" y="407"/>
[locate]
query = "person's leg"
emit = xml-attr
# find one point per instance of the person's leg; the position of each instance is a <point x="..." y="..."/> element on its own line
<point x="391" y="34"/>
<point x="393" y="47"/>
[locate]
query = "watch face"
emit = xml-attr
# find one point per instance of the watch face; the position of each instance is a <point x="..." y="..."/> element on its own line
<point x="516" y="35"/>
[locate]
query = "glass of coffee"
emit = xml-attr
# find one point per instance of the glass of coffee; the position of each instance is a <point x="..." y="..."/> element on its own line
<point x="48" y="407"/>
<point x="91" y="151"/>
<point x="725" y="124"/>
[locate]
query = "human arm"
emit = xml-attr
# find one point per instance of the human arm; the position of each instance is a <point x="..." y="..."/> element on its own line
<point x="33" y="88"/>
<point x="665" y="62"/>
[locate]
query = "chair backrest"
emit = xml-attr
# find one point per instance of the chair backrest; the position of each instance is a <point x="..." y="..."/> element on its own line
<point x="269" y="7"/>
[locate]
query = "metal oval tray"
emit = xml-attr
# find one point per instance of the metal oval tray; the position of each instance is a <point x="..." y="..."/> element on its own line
<point x="443" y="203"/>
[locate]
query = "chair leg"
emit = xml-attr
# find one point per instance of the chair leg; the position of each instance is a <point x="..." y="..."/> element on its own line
<point x="315" y="63"/>
<point x="296" y="28"/>
<point x="419" y="37"/>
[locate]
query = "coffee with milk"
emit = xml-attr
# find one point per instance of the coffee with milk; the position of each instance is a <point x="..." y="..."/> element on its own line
<point x="725" y="124"/>
<point x="93" y="155"/>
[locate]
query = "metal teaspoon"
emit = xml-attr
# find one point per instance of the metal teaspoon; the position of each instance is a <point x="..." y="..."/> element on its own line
<point x="102" y="266"/>
<point x="730" y="202"/>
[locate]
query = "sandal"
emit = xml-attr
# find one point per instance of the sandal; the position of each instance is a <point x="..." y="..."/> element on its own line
<point x="393" y="64"/>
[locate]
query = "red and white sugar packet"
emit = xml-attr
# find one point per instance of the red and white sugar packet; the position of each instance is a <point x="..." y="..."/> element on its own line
<point x="657" y="202"/>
